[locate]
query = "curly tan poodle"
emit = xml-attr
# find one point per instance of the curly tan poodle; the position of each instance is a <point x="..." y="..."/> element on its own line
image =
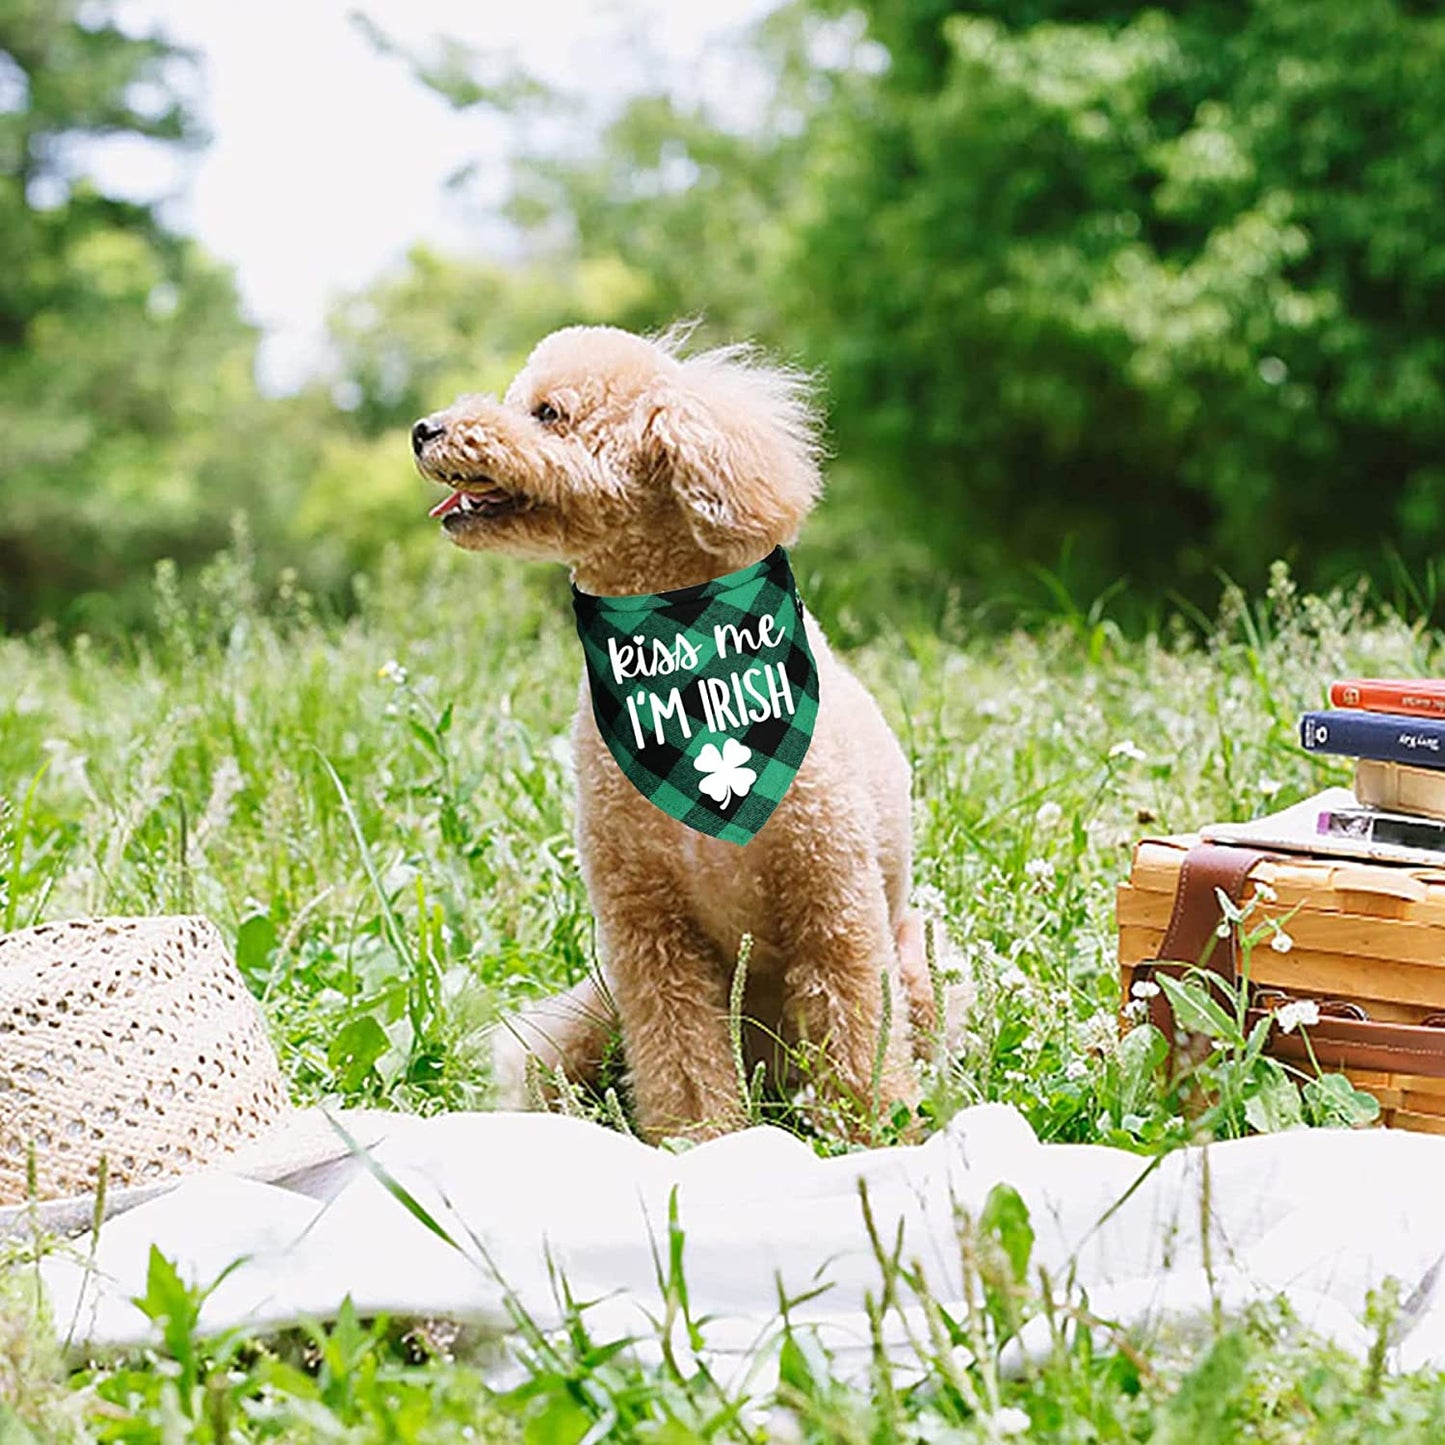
<point x="644" y="470"/>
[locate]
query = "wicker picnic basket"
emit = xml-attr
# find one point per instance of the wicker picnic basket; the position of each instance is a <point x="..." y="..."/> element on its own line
<point x="1368" y="948"/>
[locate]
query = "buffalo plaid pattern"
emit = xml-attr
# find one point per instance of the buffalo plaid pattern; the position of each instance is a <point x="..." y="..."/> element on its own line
<point x="665" y="772"/>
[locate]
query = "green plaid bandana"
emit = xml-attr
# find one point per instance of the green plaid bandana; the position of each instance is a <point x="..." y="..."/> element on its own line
<point x="706" y="696"/>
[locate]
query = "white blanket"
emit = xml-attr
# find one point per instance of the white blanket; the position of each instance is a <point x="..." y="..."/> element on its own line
<point x="1318" y="1216"/>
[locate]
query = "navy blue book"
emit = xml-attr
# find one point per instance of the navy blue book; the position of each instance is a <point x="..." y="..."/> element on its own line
<point x="1382" y="736"/>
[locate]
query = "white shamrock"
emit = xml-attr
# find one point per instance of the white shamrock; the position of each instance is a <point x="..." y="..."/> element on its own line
<point x="726" y="774"/>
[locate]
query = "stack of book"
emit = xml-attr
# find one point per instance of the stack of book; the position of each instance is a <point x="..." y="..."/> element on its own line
<point x="1395" y="731"/>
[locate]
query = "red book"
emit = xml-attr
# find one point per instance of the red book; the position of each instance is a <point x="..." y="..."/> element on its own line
<point x="1413" y="696"/>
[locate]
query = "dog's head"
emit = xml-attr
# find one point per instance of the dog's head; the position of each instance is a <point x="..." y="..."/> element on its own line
<point x="642" y="468"/>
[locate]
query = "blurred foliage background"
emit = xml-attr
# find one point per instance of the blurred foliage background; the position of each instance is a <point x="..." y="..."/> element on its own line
<point x="1107" y="300"/>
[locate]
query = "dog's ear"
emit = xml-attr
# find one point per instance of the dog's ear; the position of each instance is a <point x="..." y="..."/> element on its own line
<point x="737" y="443"/>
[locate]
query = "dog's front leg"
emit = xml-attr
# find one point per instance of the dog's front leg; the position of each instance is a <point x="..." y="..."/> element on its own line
<point x="671" y="995"/>
<point x="841" y="948"/>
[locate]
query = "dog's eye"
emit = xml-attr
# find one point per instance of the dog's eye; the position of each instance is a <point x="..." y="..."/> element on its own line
<point x="546" y="413"/>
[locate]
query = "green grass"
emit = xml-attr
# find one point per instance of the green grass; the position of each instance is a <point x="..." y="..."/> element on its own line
<point x="378" y="813"/>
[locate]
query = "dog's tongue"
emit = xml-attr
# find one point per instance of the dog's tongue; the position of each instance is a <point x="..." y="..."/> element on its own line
<point x="450" y="505"/>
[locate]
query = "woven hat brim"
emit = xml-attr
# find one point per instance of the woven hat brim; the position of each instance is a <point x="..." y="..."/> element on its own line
<point x="300" y="1139"/>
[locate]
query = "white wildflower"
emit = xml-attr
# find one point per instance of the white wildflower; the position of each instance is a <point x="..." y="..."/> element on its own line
<point x="1040" y="872"/>
<point x="1136" y="1011"/>
<point x="1048" y="815"/>
<point x="1264" y="891"/>
<point x="1145" y="988"/>
<point x="392" y="671"/>
<point x="1304" y="1011"/>
<point x="1268" y="787"/>
<point x="1128" y="748"/>
<point x="1010" y="1421"/>
<point x="929" y="901"/>
<point x="1098" y="1034"/>
<point x="1281" y="942"/>
<point x="1223" y="930"/>
<point x="1076" y="1069"/>
<point x="1013" y="978"/>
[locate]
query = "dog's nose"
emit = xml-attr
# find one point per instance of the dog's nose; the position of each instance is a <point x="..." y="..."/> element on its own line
<point x="423" y="432"/>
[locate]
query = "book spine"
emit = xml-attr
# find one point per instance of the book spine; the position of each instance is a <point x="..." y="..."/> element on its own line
<point x="1420" y="742"/>
<point x="1400" y="788"/>
<point x="1416" y="699"/>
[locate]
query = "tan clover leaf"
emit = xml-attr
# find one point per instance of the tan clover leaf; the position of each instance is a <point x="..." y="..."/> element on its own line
<point x="725" y="774"/>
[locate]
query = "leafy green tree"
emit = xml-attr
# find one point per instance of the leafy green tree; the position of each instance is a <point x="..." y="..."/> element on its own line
<point x="130" y="428"/>
<point x="1164" y="283"/>
<point x="694" y="210"/>
<point x="62" y="80"/>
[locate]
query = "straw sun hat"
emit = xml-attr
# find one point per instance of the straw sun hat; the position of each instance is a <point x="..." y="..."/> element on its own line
<point x="135" y="1040"/>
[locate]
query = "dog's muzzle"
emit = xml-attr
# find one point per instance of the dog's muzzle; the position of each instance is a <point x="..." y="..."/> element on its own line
<point x="426" y="430"/>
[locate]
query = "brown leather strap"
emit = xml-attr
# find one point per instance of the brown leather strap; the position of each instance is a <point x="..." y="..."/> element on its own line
<point x="1340" y="1043"/>
<point x="1192" y="939"/>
